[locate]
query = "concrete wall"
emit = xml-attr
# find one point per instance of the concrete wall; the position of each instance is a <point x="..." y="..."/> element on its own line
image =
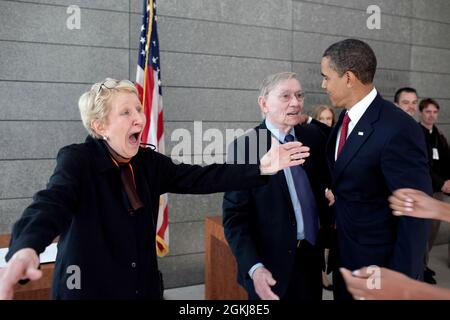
<point x="213" y="56"/>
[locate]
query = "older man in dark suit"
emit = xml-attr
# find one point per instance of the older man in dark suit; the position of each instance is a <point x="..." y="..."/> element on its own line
<point x="374" y="149"/>
<point x="273" y="230"/>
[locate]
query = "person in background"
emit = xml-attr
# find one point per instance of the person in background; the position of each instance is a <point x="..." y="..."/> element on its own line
<point x="102" y="201"/>
<point x="407" y="100"/>
<point x="438" y="148"/>
<point x="393" y="285"/>
<point x="324" y="114"/>
<point x="439" y="159"/>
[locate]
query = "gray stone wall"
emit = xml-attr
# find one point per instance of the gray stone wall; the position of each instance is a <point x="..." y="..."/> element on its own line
<point x="213" y="56"/>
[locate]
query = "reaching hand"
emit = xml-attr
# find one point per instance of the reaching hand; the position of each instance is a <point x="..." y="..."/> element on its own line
<point x="415" y="203"/>
<point x="262" y="281"/>
<point x="446" y="187"/>
<point x="281" y="156"/>
<point x="303" y="118"/>
<point x="375" y="283"/>
<point x="23" y="265"/>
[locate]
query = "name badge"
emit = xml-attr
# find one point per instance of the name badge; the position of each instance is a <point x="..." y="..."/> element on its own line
<point x="435" y="154"/>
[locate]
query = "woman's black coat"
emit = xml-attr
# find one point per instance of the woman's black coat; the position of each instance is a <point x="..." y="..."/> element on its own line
<point x="104" y="252"/>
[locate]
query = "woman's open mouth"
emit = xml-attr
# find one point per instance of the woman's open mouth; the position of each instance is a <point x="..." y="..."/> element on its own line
<point x="135" y="138"/>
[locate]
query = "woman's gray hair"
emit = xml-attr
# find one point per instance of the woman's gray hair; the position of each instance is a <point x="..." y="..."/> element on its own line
<point x="273" y="80"/>
<point x="93" y="104"/>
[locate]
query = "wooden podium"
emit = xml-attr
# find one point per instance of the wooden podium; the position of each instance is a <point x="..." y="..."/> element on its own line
<point x="220" y="265"/>
<point x="33" y="290"/>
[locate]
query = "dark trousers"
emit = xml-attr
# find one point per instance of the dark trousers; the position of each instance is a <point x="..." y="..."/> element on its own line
<point x="306" y="281"/>
<point x="340" y="291"/>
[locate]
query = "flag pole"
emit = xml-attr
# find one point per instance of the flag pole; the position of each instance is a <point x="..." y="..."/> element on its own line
<point x="147" y="46"/>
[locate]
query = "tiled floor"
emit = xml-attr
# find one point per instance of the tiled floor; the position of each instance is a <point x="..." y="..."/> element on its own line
<point x="438" y="262"/>
<point x="186" y="293"/>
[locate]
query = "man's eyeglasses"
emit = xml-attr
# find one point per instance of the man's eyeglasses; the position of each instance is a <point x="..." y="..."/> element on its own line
<point x="287" y="97"/>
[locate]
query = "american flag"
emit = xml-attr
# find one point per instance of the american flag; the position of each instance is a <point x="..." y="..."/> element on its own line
<point x="148" y="83"/>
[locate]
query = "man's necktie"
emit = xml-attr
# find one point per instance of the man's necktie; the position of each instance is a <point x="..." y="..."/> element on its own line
<point x="344" y="130"/>
<point x="306" y="199"/>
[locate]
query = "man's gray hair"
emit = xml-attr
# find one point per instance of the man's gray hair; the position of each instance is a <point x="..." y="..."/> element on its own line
<point x="273" y="80"/>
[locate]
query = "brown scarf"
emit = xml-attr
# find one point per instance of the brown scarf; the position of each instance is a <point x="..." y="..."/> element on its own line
<point x="127" y="176"/>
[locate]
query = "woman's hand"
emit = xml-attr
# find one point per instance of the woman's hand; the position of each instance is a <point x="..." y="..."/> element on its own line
<point x="22" y="265"/>
<point x="415" y="203"/>
<point x="375" y="283"/>
<point x="281" y="156"/>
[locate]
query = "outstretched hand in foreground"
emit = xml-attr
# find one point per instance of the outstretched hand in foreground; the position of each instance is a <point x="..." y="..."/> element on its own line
<point x="281" y="156"/>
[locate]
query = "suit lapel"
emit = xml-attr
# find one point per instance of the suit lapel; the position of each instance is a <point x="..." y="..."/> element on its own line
<point x="359" y="135"/>
<point x="305" y="139"/>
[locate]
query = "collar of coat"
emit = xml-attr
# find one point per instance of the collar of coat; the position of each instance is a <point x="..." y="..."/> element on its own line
<point x="100" y="155"/>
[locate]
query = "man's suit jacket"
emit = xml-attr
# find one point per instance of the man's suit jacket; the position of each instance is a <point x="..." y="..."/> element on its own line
<point x="260" y="223"/>
<point x="439" y="169"/>
<point x="385" y="151"/>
